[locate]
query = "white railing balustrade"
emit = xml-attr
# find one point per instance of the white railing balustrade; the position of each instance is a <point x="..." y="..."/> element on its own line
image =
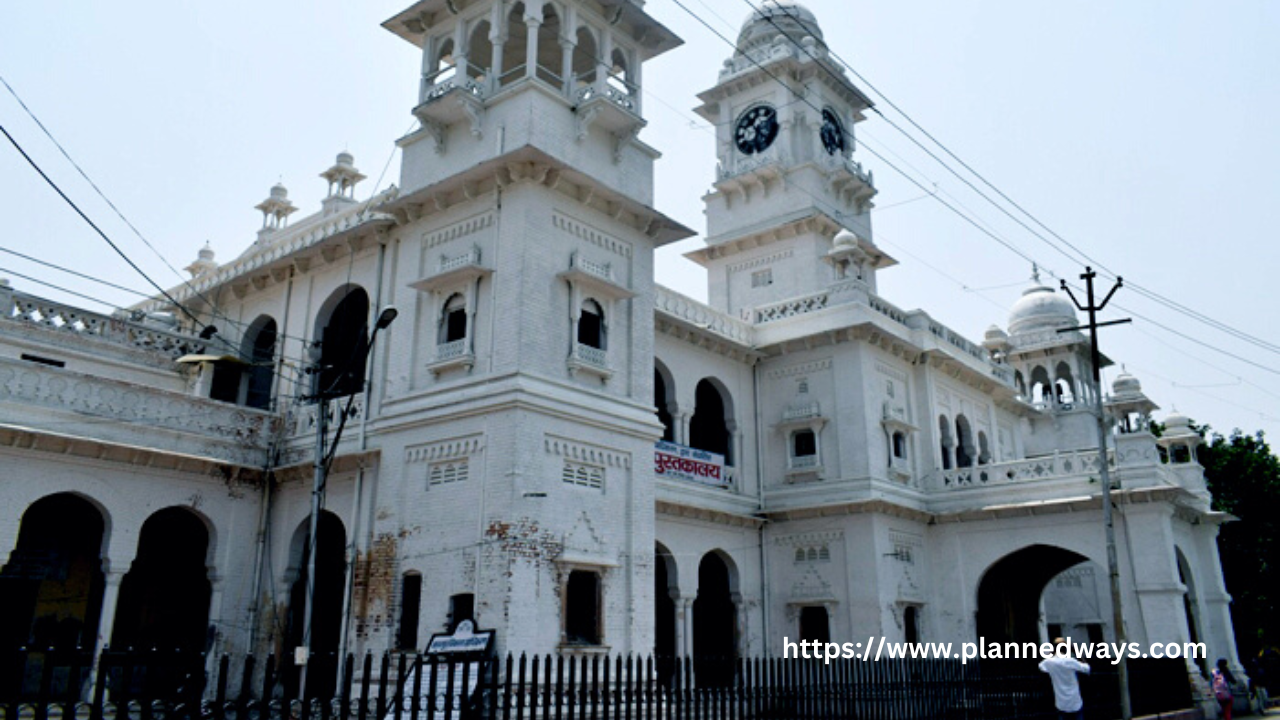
<point x="588" y="355"/>
<point x="37" y="311"/>
<point x="1058" y="465"/>
<point x="451" y="350"/>
<point x="791" y="308"/>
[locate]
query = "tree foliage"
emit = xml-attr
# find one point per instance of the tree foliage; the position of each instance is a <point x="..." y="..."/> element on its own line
<point x="1244" y="477"/>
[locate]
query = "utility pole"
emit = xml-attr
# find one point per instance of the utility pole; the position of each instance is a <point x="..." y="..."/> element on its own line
<point x="1113" y="567"/>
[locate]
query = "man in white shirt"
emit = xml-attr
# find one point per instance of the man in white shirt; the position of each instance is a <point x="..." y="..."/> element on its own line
<point x="1062" y="671"/>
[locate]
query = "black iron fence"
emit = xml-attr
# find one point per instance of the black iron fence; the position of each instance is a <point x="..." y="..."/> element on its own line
<point x="157" y="685"/>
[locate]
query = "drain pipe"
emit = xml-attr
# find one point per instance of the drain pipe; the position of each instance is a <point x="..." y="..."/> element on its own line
<point x="764" y="555"/>
<point x="354" y="545"/>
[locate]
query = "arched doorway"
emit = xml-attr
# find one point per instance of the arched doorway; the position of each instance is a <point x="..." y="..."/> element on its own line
<point x="164" y="598"/>
<point x="1190" y="606"/>
<point x="259" y="349"/>
<point x="664" y="611"/>
<point x="342" y="327"/>
<point x="715" y="622"/>
<point x="51" y="591"/>
<point x="326" y="615"/>
<point x="51" y="587"/>
<point x="1010" y="590"/>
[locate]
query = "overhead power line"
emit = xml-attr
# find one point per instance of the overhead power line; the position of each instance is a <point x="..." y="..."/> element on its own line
<point x="1087" y="258"/>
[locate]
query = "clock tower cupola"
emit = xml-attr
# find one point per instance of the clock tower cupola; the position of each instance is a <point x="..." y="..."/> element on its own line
<point x="786" y="181"/>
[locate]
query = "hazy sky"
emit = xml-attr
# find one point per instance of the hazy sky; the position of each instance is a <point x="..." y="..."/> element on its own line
<point x="1142" y="132"/>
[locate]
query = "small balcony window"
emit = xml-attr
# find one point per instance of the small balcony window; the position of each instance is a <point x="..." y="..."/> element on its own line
<point x="591" y="328"/>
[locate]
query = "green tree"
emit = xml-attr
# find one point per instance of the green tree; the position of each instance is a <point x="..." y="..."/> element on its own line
<point x="1244" y="477"/>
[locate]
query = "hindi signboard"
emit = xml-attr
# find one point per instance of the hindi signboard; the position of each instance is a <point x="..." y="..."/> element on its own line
<point x="681" y="462"/>
<point x="456" y="662"/>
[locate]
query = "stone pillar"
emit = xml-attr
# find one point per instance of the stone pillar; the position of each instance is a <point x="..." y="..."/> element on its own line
<point x="566" y="65"/>
<point x="684" y="623"/>
<point x="106" y="619"/>
<point x="532" y="22"/>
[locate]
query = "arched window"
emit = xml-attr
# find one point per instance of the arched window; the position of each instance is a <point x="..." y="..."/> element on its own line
<point x="984" y="449"/>
<point x="582" y="608"/>
<point x="479" y="51"/>
<point x="709" y="426"/>
<point x="164" y="598"/>
<point x="585" y="59"/>
<point x="260" y="350"/>
<point x="964" y="442"/>
<point x="453" y="320"/>
<point x="1040" y="385"/>
<point x="899" y="445"/>
<point x="620" y="72"/>
<point x="343" y="334"/>
<point x="550" y="53"/>
<point x="514" y="49"/>
<point x="445" y="63"/>
<point x="591" y="327"/>
<point x="1020" y="382"/>
<point x="944" y="441"/>
<point x="662" y="396"/>
<point x="1064" y="385"/>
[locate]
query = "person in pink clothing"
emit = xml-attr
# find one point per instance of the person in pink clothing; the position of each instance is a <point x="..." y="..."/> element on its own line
<point x="1062" y="669"/>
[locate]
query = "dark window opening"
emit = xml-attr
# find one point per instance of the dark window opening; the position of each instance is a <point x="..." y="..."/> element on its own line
<point x="582" y="609"/>
<point x="709" y="428"/>
<point x="660" y="402"/>
<point x="899" y="445"/>
<point x="453" y="321"/>
<point x="262" y="356"/>
<point x="164" y="598"/>
<point x="226" y="383"/>
<point x="591" y="325"/>
<point x="343" y="347"/>
<point x="911" y="624"/>
<point x="410" y="607"/>
<point x="804" y="443"/>
<point x="815" y="624"/>
<point x="461" y="607"/>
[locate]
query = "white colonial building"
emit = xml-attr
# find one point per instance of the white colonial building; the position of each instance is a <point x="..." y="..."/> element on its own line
<point x="827" y="464"/>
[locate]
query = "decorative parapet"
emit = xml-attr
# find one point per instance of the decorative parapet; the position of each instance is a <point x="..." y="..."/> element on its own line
<point x="585" y="358"/>
<point x="789" y="308"/>
<point x="1058" y="465"/>
<point x="113" y="410"/>
<point x="699" y="314"/>
<point x="617" y="96"/>
<point x="72" y="321"/>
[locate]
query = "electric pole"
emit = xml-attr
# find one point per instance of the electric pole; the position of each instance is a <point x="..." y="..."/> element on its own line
<point x="1113" y="567"/>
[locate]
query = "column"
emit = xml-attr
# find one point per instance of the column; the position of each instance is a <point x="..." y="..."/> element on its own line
<point x="498" y="37"/>
<point x="106" y="620"/>
<point x="532" y="22"/>
<point x="460" y="51"/>
<point x="684" y="623"/>
<point x="566" y="65"/>
<point x="606" y="60"/>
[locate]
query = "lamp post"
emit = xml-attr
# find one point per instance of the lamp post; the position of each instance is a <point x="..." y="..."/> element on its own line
<point x="320" y="474"/>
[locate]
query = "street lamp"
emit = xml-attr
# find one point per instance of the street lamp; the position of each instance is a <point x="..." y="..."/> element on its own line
<point x="321" y="471"/>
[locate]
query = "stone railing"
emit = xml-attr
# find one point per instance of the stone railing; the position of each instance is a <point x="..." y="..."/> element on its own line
<point x="35" y="311"/>
<point x="696" y="313"/>
<point x="886" y="308"/>
<point x="802" y="412"/>
<point x="1020" y="471"/>
<point x="451" y="350"/>
<point x="595" y="357"/>
<point x="470" y="257"/>
<point x="804" y="462"/>
<point x="302" y="421"/>
<point x="439" y="89"/>
<point x="604" y="271"/>
<point x="743" y="164"/>
<point x="615" y="95"/>
<point x="113" y="410"/>
<point x="790" y="308"/>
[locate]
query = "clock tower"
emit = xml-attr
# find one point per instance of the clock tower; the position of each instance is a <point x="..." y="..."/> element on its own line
<point x="786" y="181"/>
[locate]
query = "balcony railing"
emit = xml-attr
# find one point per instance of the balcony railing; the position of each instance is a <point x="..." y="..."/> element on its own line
<point x="1058" y="465"/>
<point x="39" y="312"/>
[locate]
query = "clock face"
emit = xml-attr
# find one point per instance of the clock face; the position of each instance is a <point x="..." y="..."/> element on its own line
<point x="756" y="129"/>
<point x="832" y="133"/>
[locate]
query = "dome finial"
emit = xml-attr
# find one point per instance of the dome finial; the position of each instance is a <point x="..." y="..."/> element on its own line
<point x="1035" y="273"/>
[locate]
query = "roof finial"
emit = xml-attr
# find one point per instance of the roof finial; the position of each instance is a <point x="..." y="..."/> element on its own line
<point x="1035" y="273"/>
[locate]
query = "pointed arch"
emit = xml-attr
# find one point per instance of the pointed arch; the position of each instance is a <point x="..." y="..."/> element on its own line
<point x="711" y="427"/>
<point x="664" y="399"/>
<point x="342" y="329"/>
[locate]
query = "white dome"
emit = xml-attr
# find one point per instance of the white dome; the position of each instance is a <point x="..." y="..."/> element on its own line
<point x="1040" y="308"/>
<point x="279" y="191"/>
<point x="1126" y="384"/>
<point x="845" y="239"/>
<point x="345" y="159"/>
<point x="776" y="18"/>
